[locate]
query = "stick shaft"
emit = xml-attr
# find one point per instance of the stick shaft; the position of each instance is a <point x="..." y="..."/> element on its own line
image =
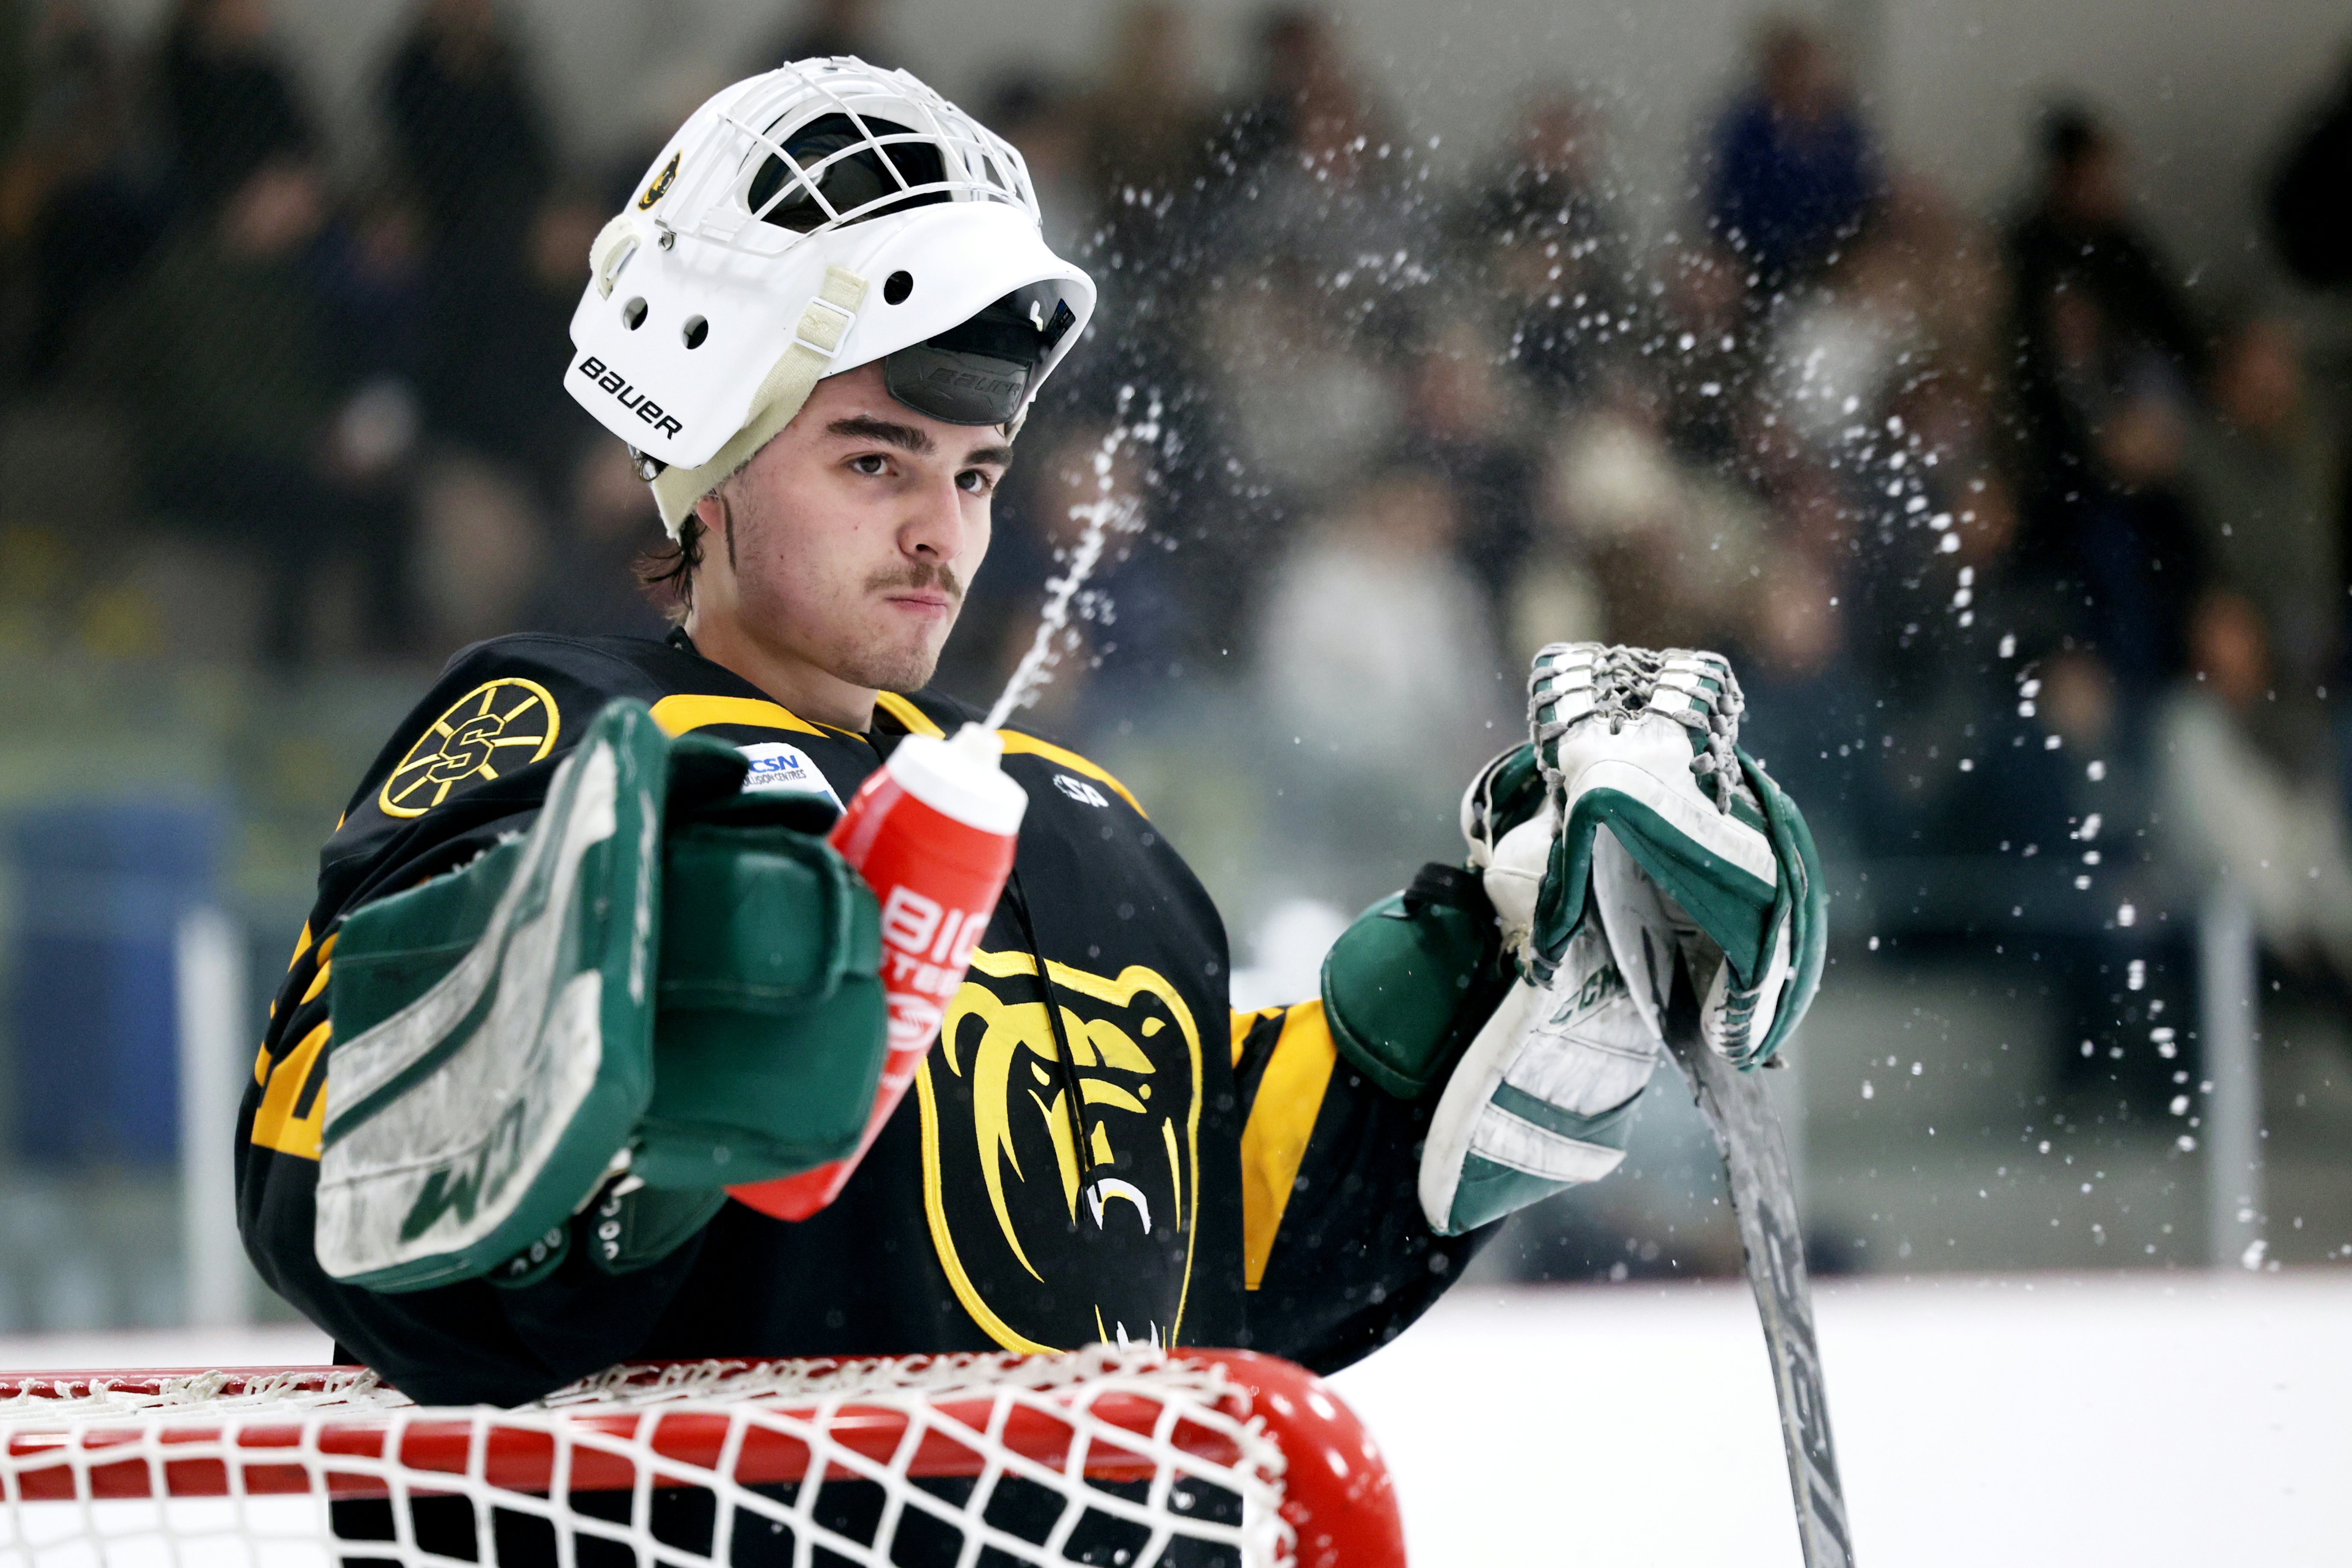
<point x="1763" y="1200"/>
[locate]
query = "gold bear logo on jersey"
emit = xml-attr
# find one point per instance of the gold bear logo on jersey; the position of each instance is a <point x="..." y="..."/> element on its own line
<point x="481" y="736"/>
<point x="1094" y="1201"/>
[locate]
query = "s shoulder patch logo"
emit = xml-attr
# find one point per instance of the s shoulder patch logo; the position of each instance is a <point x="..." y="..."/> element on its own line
<point x="662" y="182"/>
<point x="1082" y="791"/>
<point x="497" y="727"/>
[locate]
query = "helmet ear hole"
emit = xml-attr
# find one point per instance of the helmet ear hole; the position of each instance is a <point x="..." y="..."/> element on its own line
<point x="896" y="287"/>
<point x="694" y="331"/>
<point x="633" y="314"/>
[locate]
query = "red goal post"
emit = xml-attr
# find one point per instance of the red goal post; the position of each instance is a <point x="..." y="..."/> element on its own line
<point x="1135" y="1455"/>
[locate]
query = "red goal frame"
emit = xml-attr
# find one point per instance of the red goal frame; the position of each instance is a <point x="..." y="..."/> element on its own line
<point x="1336" y="1494"/>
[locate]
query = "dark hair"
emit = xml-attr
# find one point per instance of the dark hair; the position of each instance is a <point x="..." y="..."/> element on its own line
<point x="666" y="571"/>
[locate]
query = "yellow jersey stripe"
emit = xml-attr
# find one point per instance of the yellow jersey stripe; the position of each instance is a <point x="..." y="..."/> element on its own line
<point x="326" y="966"/>
<point x="274" y="1125"/>
<point x="911" y="719"/>
<point x="1281" y="1120"/>
<point x="676" y="715"/>
<point x="1030" y="745"/>
<point x="915" y="721"/>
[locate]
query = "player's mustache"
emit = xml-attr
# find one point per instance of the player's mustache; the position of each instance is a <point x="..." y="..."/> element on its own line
<point x="922" y="574"/>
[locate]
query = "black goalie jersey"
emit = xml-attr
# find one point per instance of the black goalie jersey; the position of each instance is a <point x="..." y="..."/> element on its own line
<point x="1264" y="1193"/>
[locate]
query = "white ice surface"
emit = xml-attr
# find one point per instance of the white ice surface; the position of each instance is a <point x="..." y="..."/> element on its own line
<point x="2142" y="1420"/>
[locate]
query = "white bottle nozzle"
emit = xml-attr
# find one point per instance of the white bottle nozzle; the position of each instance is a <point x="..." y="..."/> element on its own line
<point x="962" y="776"/>
<point x="980" y="743"/>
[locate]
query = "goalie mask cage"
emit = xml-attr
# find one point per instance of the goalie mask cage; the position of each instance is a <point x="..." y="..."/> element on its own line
<point x="1134" y="1458"/>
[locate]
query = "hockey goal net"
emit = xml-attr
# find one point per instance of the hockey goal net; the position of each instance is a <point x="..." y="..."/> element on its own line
<point x="1132" y="1458"/>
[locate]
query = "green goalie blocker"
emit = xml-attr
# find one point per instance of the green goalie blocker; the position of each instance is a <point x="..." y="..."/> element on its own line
<point x="1407" y="986"/>
<point x="663" y="975"/>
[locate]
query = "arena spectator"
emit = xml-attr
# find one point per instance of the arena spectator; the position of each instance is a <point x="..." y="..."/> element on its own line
<point x="2266" y="479"/>
<point x="480" y="550"/>
<point x="246" y="410"/>
<point x="1372" y="631"/>
<point x="1049" y="130"/>
<point x="1808" y="706"/>
<point x="2135" y="540"/>
<point x="1673" y="544"/>
<point x="1301" y="73"/>
<point x="1147" y="119"/>
<point x="72" y="212"/>
<point x="2234" y="810"/>
<point x="586" y="587"/>
<point x="494" y="346"/>
<point x="1708" y="353"/>
<point x="1560" y="260"/>
<point x="230" y="101"/>
<point x="1316" y="177"/>
<point x="1308" y="402"/>
<point x="826" y="27"/>
<point x="1793" y="170"/>
<point x="467" y="132"/>
<point x="2094" y="302"/>
<point x="1464" y="418"/>
<point x="2309" y="218"/>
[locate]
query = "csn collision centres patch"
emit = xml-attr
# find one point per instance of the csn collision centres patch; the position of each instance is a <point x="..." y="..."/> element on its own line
<point x="776" y="766"/>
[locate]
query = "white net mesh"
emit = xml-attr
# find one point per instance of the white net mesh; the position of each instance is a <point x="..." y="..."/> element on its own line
<point x="1100" y="1456"/>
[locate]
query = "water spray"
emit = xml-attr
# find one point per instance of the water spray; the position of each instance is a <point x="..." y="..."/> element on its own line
<point x="1106" y="514"/>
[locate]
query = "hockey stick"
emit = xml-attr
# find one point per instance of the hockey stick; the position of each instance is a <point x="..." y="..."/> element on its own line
<point x="1764" y="1201"/>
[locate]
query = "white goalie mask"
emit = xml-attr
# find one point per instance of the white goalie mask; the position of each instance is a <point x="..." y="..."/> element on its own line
<point x="819" y="218"/>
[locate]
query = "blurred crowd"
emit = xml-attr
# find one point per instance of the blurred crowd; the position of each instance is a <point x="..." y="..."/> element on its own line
<point x="2016" y="540"/>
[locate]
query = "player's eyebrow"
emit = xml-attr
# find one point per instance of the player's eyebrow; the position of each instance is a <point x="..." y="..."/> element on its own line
<point x="890" y="432"/>
<point x="1001" y="456"/>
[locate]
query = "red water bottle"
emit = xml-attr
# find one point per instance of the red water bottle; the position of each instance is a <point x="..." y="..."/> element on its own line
<point x="932" y="831"/>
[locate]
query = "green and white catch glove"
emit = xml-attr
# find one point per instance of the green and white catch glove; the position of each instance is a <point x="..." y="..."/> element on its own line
<point x="666" y="987"/>
<point x="1646" y="744"/>
<point x="1704" y="862"/>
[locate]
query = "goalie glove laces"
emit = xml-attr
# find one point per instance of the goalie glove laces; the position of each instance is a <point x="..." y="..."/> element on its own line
<point x="1574" y="682"/>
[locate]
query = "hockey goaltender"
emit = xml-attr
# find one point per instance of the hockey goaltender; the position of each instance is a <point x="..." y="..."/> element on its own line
<point x="486" y="1146"/>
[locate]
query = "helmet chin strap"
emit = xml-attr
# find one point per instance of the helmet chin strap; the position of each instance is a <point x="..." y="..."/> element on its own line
<point x="806" y="360"/>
